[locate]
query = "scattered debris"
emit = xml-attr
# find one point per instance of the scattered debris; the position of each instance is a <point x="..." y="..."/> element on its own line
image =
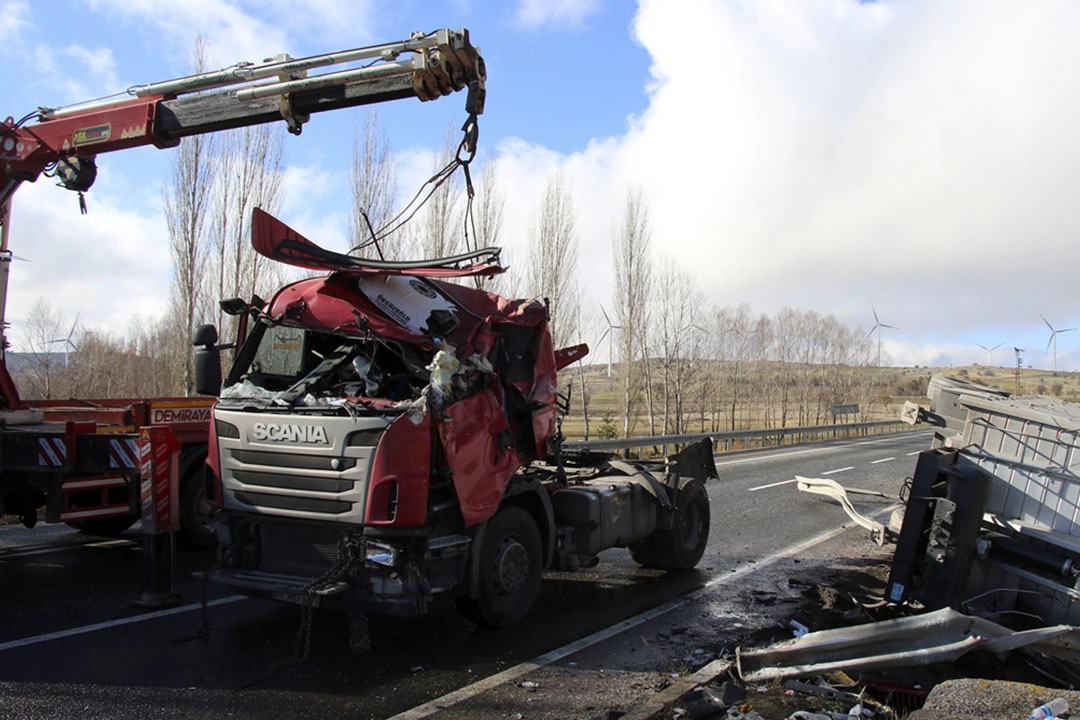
<point x="830" y="488"/>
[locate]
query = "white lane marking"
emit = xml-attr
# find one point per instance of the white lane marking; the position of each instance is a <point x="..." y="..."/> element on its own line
<point x="6" y="553"/>
<point x="114" y="623"/>
<point x="509" y="675"/>
<point x="838" y="470"/>
<point x="917" y="452"/>
<point x="890" y="439"/>
<point x="875" y="462"/>
<point x="772" y="485"/>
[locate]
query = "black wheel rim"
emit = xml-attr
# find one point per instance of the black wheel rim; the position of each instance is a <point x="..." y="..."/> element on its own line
<point x="510" y="566"/>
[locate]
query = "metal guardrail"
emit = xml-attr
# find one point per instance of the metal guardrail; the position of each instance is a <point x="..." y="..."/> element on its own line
<point x="746" y="439"/>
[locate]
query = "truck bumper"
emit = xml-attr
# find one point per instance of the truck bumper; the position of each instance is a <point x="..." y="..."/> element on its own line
<point x="285" y="588"/>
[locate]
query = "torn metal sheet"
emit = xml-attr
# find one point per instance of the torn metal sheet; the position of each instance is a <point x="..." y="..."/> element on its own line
<point x="836" y="491"/>
<point x="940" y="636"/>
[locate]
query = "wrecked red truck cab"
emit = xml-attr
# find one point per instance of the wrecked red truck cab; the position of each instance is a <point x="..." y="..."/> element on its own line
<point x="387" y="439"/>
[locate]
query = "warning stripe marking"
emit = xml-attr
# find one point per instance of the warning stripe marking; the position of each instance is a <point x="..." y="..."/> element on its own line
<point x="124" y="453"/>
<point x="52" y="452"/>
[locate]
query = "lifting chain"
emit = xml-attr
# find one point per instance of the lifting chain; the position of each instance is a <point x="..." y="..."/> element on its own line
<point x="349" y="552"/>
<point x="203" y="633"/>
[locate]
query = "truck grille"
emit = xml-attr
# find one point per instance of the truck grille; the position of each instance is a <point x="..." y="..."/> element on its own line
<point x="288" y="476"/>
<point x="307" y="550"/>
<point x="293" y="482"/>
<point x="290" y="502"/>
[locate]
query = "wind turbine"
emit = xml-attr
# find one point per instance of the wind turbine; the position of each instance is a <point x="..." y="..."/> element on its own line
<point x="877" y="326"/>
<point x="1053" y="339"/>
<point x="611" y="340"/>
<point x="70" y="345"/>
<point x="988" y="351"/>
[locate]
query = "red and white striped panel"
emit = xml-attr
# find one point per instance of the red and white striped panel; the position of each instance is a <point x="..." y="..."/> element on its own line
<point x="52" y="451"/>
<point x="124" y="453"/>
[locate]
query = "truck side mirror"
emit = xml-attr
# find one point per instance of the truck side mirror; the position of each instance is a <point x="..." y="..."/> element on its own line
<point x="207" y="360"/>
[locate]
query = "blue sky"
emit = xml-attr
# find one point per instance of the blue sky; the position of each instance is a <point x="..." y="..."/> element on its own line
<point x="817" y="154"/>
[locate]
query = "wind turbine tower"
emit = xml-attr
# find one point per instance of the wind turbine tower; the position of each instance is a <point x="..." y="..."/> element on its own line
<point x="1053" y="339"/>
<point x="878" y="325"/>
<point x="988" y="351"/>
<point x="611" y="339"/>
<point x="69" y="344"/>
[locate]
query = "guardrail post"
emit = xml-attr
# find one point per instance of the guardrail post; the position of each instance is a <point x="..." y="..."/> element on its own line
<point x="159" y="475"/>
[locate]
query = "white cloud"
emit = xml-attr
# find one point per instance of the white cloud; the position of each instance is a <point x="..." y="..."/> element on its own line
<point x="537" y="13"/>
<point x="250" y="30"/>
<point x="104" y="267"/>
<point x="13" y="21"/>
<point x="826" y="155"/>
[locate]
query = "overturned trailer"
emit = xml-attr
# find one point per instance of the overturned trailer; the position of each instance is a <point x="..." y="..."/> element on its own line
<point x="992" y="522"/>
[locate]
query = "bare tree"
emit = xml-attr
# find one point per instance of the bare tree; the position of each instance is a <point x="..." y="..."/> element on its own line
<point x="438" y="228"/>
<point x="249" y="174"/>
<point x="675" y="299"/>
<point x="41" y="330"/>
<point x="187" y="197"/>
<point x="488" y="208"/>
<point x="552" y="266"/>
<point x="633" y="278"/>
<point x="373" y="181"/>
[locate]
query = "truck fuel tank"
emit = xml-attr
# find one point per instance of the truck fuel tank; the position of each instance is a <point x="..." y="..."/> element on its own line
<point x="606" y="512"/>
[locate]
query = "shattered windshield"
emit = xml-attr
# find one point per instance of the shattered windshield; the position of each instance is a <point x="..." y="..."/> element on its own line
<point x="296" y="366"/>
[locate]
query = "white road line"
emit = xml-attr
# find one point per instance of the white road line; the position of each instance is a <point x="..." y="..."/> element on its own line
<point x="838" y="470"/>
<point x="509" y="675"/>
<point x="114" y="623"/>
<point x="914" y="453"/>
<point x="6" y="553"/>
<point x="875" y="462"/>
<point x="772" y="485"/>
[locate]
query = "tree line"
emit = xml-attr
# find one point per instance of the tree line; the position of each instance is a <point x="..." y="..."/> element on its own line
<point x="683" y="366"/>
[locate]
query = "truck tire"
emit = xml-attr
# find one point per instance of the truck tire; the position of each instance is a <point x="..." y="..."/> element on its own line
<point x="105" y="527"/>
<point x="196" y="525"/>
<point x="510" y="570"/>
<point x="681" y="547"/>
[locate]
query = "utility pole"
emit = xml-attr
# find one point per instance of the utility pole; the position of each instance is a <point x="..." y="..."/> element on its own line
<point x="1019" y="362"/>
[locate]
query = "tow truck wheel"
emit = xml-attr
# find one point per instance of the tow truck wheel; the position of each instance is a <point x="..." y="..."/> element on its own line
<point x="105" y="527"/>
<point x="196" y="523"/>
<point x="681" y="547"/>
<point x="510" y="570"/>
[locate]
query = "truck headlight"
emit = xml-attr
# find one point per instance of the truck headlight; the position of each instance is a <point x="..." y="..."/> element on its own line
<point x="380" y="554"/>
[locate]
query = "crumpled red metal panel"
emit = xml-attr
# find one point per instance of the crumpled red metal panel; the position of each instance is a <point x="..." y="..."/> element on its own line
<point x="470" y="431"/>
<point x="400" y="458"/>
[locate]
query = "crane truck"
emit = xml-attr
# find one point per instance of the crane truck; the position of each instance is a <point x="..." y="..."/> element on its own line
<point x="388" y="440"/>
<point x="79" y="458"/>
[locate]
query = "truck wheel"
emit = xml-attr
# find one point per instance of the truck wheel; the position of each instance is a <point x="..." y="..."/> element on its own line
<point x="105" y="527"/>
<point x="196" y="514"/>
<point x="510" y="570"/>
<point x="681" y="547"/>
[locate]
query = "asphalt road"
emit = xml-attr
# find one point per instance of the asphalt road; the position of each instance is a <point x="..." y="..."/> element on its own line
<point x="72" y="645"/>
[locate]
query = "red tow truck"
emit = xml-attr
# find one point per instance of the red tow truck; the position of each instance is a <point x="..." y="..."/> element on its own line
<point x="79" y="458"/>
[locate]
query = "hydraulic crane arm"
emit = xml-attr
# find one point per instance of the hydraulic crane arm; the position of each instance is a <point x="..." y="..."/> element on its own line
<point x="66" y="140"/>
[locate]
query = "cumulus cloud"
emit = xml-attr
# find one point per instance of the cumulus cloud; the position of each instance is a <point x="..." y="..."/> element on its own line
<point x="826" y="155"/>
<point x="122" y="269"/>
<point x="249" y="30"/>
<point x="13" y="20"/>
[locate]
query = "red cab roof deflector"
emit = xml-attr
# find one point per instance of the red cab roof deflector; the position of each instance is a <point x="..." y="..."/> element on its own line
<point x="276" y="240"/>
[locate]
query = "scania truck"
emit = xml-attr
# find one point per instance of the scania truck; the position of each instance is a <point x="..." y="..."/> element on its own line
<point x="387" y="438"/>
